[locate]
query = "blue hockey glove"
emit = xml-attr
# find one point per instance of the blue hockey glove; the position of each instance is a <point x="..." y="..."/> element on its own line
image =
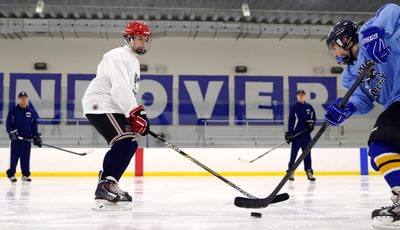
<point x="13" y="134"/>
<point x="377" y="48"/>
<point x="336" y="115"/>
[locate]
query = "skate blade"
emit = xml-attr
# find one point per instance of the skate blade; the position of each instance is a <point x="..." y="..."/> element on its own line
<point x="105" y="205"/>
<point x="385" y="222"/>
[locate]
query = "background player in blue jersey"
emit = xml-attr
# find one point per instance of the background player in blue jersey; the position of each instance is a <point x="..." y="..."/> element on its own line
<point x="377" y="40"/>
<point x="301" y="117"/>
<point x="22" y="122"/>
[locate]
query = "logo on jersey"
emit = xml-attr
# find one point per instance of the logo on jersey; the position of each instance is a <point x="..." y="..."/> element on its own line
<point x="308" y="111"/>
<point x="28" y="114"/>
<point x="370" y="38"/>
<point x="136" y="81"/>
<point x="373" y="84"/>
<point x="128" y="128"/>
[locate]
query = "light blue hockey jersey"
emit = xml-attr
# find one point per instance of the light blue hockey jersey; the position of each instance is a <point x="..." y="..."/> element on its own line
<point x="384" y="86"/>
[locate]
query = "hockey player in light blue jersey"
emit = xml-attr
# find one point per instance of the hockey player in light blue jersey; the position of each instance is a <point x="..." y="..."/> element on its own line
<point x="377" y="40"/>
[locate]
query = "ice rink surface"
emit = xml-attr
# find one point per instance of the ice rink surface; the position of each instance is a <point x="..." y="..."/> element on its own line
<point x="343" y="202"/>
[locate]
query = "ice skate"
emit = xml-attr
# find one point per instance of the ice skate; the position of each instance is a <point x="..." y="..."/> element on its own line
<point x="388" y="217"/>
<point x="26" y="179"/>
<point x="109" y="197"/>
<point x="13" y="179"/>
<point x="310" y="176"/>
<point x="105" y="205"/>
<point x="291" y="177"/>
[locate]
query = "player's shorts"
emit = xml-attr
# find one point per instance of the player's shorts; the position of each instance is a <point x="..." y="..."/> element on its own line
<point x="387" y="126"/>
<point x="112" y="126"/>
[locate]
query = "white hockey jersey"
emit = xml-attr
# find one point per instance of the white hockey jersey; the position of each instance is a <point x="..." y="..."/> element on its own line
<point x="114" y="88"/>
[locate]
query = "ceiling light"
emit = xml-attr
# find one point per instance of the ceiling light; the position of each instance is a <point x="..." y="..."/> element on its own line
<point x="245" y="10"/>
<point x="39" y="6"/>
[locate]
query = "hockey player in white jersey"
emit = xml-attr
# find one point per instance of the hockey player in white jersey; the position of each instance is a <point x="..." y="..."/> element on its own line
<point x="110" y="105"/>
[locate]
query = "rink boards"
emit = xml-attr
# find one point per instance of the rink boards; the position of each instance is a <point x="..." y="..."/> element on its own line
<point x="167" y="162"/>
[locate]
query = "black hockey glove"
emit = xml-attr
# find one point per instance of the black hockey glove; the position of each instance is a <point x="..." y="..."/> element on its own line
<point x="288" y="137"/>
<point x="139" y="122"/>
<point x="310" y="125"/>
<point x="37" y="140"/>
<point x="13" y="134"/>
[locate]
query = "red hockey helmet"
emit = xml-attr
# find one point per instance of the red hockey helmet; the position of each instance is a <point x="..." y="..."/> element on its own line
<point x="137" y="28"/>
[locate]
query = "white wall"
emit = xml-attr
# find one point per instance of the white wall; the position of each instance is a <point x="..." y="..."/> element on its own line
<point x="180" y="55"/>
<point x="226" y="160"/>
<point x="165" y="161"/>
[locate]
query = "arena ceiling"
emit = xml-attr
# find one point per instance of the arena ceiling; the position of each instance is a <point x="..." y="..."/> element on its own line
<point x="214" y="18"/>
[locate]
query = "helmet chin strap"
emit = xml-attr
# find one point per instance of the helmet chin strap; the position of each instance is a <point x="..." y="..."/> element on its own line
<point x="140" y="51"/>
<point x="352" y="58"/>
<point x="348" y="60"/>
<point x="129" y="42"/>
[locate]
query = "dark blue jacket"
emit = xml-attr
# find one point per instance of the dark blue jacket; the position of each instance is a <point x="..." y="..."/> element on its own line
<point x="24" y="120"/>
<point x="299" y="115"/>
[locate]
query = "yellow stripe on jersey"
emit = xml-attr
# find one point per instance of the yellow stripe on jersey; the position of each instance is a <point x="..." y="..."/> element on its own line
<point x="390" y="167"/>
<point x="385" y="158"/>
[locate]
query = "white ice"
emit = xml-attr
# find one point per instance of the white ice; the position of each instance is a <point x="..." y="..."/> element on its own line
<point x="193" y="203"/>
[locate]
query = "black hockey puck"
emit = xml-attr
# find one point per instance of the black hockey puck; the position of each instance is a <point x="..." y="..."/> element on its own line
<point x="256" y="214"/>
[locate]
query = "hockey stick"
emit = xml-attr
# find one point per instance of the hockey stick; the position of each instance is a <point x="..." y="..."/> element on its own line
<point x="55" y="147"/>
<point x="273" y="148"/>
<point x="68" y="151"/>
<point x="278" y="198"/>
<point x="244" y="202"/>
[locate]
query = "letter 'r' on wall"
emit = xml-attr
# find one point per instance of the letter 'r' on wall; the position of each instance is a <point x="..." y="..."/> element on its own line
<point x="203" y="98"/>
<point x="259" y="100"/>
<point x="320" y="91"/>
<point x="44" y="91"/>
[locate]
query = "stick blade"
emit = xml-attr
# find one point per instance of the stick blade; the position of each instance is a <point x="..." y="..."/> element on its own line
<point x="244" y="160"/>
<point x="244" y="202"/>
<point x="85" y="153"/>
<point x="90" y="151"/>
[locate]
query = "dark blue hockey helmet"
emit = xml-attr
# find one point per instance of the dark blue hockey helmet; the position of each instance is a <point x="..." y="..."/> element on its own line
<point x="301" y="91"/>
<point x="22" y="94"/>
<point x="342" y="34"/>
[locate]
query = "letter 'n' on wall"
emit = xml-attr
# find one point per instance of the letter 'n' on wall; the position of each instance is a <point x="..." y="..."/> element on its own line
<point x="44" y="92"/>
